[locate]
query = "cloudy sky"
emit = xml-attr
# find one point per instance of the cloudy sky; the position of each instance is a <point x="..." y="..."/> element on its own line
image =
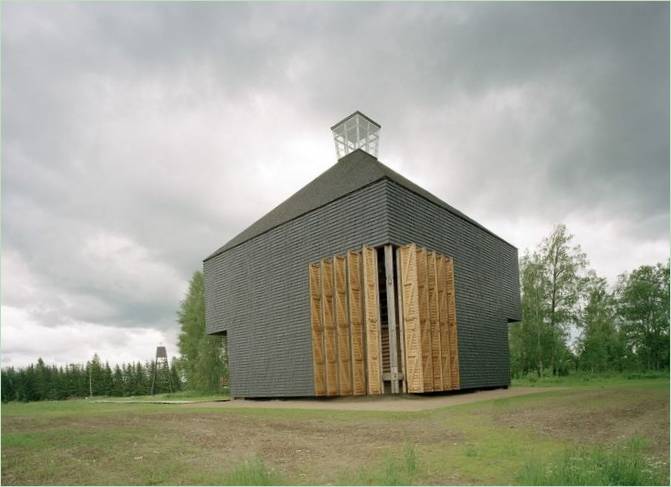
<point x="138" y="138"/>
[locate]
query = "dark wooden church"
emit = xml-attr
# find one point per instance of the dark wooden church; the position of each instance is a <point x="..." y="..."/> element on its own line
<point x="363" y="283"/>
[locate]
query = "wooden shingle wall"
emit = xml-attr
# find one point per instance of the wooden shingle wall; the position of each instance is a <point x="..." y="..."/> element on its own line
<point x="486" y="282"/>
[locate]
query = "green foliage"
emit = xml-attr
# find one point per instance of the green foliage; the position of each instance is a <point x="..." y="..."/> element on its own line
<point x="622" y="329"/>
<point x="210" y="366"/>
<point x="191" y="317"/>
<point x="551" y="282"/>
<point x="40" y="382"/>
<point x="597" y="379"/>
<point x="251" y="472"/>
<point x="602" y="346"/>
<point x="203" y="358"/>
<point x="625" y="465"/>
<point x="643" y="306"/>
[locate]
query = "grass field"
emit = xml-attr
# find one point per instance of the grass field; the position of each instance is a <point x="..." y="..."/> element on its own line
<point x="613" y="431"/>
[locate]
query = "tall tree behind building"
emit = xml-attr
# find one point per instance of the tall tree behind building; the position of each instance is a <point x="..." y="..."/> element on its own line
<point x="202" y="356"/>
<point x="552" y="278"/>
<point x="574" y="318"/>
<point x="565" y="265"/>
<point x="601" y="346"/>
<point x="643" y="307"/>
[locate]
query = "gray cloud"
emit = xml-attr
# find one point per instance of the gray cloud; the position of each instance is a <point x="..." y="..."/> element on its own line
<point x="137" y="138"/>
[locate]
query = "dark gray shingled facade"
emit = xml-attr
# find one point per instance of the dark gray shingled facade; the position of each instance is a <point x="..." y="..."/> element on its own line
<point x="257" y="284"/>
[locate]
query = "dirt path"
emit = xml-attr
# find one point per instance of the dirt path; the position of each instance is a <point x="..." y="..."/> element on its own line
<point x="384" y="403"/>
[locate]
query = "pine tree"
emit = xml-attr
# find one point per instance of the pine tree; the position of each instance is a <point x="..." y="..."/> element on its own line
<point x="141" y="386"/>
<point x="107" y="380"/>
<point x="117" y="388"/>
<point x="8" y="385"/>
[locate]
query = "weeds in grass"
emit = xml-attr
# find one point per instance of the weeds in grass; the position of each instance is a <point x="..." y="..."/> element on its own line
<point x="625" y="465"/>
<point x="394" y="470"/>
<point x="411" y="460"/>
<point x="471" y="452"/>
<point x="251" y="472"/>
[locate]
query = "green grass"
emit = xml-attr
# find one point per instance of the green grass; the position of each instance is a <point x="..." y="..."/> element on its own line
<point x="533" y="439"/>
<point x="103" y="404"/>
<point x="624" y="465"/>
<point x="587" y="379"/>
<point x="252" y="472"/>
<point x="175" y="396"/>
<point x="401" y="468"/>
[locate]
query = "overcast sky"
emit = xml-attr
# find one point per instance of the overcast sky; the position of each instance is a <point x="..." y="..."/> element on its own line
<point x="138" y="138"/>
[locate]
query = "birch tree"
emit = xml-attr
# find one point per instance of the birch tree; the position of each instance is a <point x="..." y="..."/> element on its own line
<point x="643" y="307"/>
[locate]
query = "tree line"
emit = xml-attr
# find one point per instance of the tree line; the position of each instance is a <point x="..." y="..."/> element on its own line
<point x="573" y="320"/>
<point x="39" y="381"/>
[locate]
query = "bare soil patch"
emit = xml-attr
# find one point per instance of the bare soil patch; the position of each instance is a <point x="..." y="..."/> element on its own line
<point x="299" y="447"/>
<point x="605" y="417"/>
<point x="306" y="446"/>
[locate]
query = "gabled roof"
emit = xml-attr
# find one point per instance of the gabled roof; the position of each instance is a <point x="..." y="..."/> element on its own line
<point x="349" y="174"/>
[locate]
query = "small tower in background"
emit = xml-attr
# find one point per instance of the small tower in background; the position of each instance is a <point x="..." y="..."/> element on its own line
<point x="161" y="376"/>
<point x="356" y="132"/>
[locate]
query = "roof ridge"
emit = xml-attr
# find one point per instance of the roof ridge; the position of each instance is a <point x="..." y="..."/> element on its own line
<point x="351" y="162"/>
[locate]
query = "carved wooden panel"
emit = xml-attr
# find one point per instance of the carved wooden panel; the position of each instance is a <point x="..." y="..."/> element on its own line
<point x="424" y="321"/>
<point x="372" y="321"/>
<point x="452" y="325"/>
<point x="356" y="323"/>
<point x="432" y="286"/>
<point x="442" y="318"/>
<point x="411" y="325"/>
<point x="342" y="326"/>
<point x="317" y="329"/>
<point x="329" y="329"/>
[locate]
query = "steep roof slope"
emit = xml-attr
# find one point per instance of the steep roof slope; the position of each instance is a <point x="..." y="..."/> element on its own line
<point x="349" y="174"/>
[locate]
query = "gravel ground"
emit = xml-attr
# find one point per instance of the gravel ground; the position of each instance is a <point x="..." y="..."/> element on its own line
<point x="401" y="402"/>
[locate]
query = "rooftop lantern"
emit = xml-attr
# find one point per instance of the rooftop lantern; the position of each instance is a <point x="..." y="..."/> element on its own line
<point x="356" y="132"/>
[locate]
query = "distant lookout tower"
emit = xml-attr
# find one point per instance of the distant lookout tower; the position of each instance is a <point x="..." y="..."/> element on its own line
<point x="161" y="376"/>
<point x="356" y="132"/>
<point x="161" y="352"/>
